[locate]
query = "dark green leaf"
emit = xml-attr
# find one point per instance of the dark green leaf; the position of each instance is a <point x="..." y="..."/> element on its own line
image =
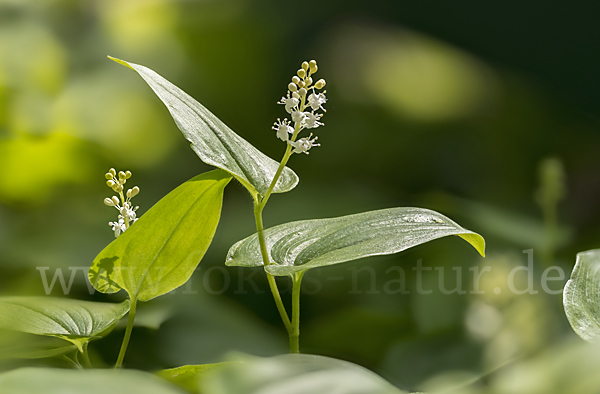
<point x="581" y="297"/>
<point x="73" y="320"/>
<point x="160" y="251"/>
<point x="298" y="246"/>
<point x="214" y="142"/>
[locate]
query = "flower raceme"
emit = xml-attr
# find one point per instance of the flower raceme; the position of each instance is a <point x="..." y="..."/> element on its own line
<point x="122" y="202"/>
<point x="302" y="103"/>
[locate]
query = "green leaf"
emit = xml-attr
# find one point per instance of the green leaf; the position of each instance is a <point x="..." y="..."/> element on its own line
<point x="33" y="347"/>
<point x="97" y="381"/>
<point x="298" y="246"/>
<point x="581" y="297"/>
<point x="295" y="374"/>
<point x="73" y="320"/>
<point x="215" y="143"/>
<point x="188" y="376"/>
<point x="160" y="251"/>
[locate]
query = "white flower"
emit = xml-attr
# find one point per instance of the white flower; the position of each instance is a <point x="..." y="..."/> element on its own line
<point x="118" y="227"/>
<point x="298" y="116"/>
<point x="304" y="144"/>
<point x="311" y="121"/>
<point x="316" y="101"/>
<point x="283" y="129"/>
<point x="289" y="102"/>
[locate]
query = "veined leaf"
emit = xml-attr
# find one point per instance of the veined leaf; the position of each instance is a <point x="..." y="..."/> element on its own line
<point x="93" y="381"/>
<point x="295" y="374"/>
<point x="298" y="246"/>
<point x="160" y="251"/>
<point x="215" y="143"/>
<point x="17" y="345"/>
<point x="73" y="320"/>
<point x="581" y="297"/>
<point x="188" y="377"/>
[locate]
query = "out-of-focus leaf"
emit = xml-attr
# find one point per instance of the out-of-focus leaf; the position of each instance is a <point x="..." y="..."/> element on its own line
<point x="97" y="381"/>
<point x="73" y="320"/>
<point x="295" y="374"/>
<point x="160" y="251"/>
<point x="298" y="246"/>
<point x="214" y="142"/>
<point x="32" y="347"/>
<point x="581" y="297"/>
<point x="188" y="376"/>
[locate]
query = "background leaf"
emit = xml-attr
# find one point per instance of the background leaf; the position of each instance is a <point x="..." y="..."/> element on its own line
<point x="296" y="374"/>
<point x="160" y="251"/>
<point x="306" y="244"/>
<point x="581" y="297"/>
<point x="188" y="376"/>
<point x="214" y="142"/>
<point x="97" y="381"/>
<point x="73" y="320"/>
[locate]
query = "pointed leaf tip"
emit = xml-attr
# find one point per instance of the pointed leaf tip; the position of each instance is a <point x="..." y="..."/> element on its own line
<point x="122" y="62"/>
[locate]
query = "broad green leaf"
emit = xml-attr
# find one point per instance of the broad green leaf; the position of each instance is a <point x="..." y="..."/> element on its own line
<point x="298" y="246"/>
<point x="581" y="297"/>
<point x="188" y="376"/>
<point x="28" y="346"/>
<point x="295" y="374"/>
<point x="96" y="381"/>
<point x="160" y="251"/>
<point x="215" y="143"/>
<point x="73" y="320"/>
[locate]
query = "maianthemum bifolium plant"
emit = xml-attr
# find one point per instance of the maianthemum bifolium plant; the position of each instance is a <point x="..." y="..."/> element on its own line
<point x="159" y="251"/>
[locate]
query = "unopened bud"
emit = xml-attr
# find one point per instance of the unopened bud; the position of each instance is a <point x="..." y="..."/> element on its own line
<point x="112" y="171"/>
<point x="118" y="188"/>
<point x="127" y="174"/>
<point x="302" y="92"/>
<point x="295" y="79"/>
<point x="134" y="191"/>
<point x="304" y="66"/>
<point x="308" y="81"/>
<point x="128" y="194"/>
<point x="122" y="175"/>
<point x="109" y="202"/>
<point x="301" y="73"/>
<point x="115" y="200"/>
<point x="313" y="66"/>
<point x="292" y="87"/>
<point x="108" y="175"/>
<point x="320" y="84"/>
<point x="295" y="95"/>
<point x="110" y="183"/>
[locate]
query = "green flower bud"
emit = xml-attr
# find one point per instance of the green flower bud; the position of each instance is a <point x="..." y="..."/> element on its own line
<point x="320" y="84"/>
<point x="108" y="175"/>
<point x="302" y="92"/>
<point x="122" y="175"/>
<point x="134" y="191"/>
<point x="115" y="200"/>
<point x="109" y="202"/>
<point x="313" y="66"/>
<point x="110" y="183"/>
<point x="304" y="67"/>
<point x="112" y="171"/>
<point x="127" y="174"/>
<point x="295" y="80"/>
<point x="295" y="95"/>
<point x="301" y="73"/>
<point x="292" y="87"/>
<point x="308" y="81"/>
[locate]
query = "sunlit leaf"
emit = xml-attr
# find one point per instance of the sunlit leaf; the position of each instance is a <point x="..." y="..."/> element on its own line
<point x="160" y="251"/>
<point x="295" y="374"/>
<point x="306" y="244"/>
<point x="97" y="381"/>
<point x="581" y="297"/>
<point x="214" y="142"/>
<point x="73" y="320"/>
<point x="188" y="376"/>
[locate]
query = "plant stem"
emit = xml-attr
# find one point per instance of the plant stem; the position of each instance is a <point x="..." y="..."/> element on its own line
<point x="128" y="330"/>
<point x="71" y="361"/>
<point x="86" y="356"/>
<point x="295" y="334"/>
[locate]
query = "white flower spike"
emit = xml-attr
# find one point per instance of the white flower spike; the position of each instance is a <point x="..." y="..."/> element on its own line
<point x="127" y="215"/>
<point x="302" y="102"/>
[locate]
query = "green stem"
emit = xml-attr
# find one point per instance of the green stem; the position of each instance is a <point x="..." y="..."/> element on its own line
<point x="128" y="330"/>
<point x="270" y="278"/>
<point x="295" y="334"/>
<point x="86" y="356"/>
<point x="71" y="361"/>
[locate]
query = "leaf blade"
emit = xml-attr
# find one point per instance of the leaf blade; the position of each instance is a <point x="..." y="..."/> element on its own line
<point x="72" y="320"/>
<point x="581" y="296"/>
<point x="162" y="249"/>
<point x="215" y="143"/>
<point x="306" y="244"/>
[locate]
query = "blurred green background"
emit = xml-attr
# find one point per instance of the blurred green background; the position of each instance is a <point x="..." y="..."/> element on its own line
<point x="484" y="111"/>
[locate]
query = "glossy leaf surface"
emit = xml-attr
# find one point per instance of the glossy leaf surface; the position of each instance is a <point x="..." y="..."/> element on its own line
<point x="160" y="251"/>
<point x="306" y="244"/>
<point x="581" y="297"/>
<point x="73" y="320"/>
<point x="296" y="374"/>
<point x="215" y="143"/>
<point x="97" y="381"/>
